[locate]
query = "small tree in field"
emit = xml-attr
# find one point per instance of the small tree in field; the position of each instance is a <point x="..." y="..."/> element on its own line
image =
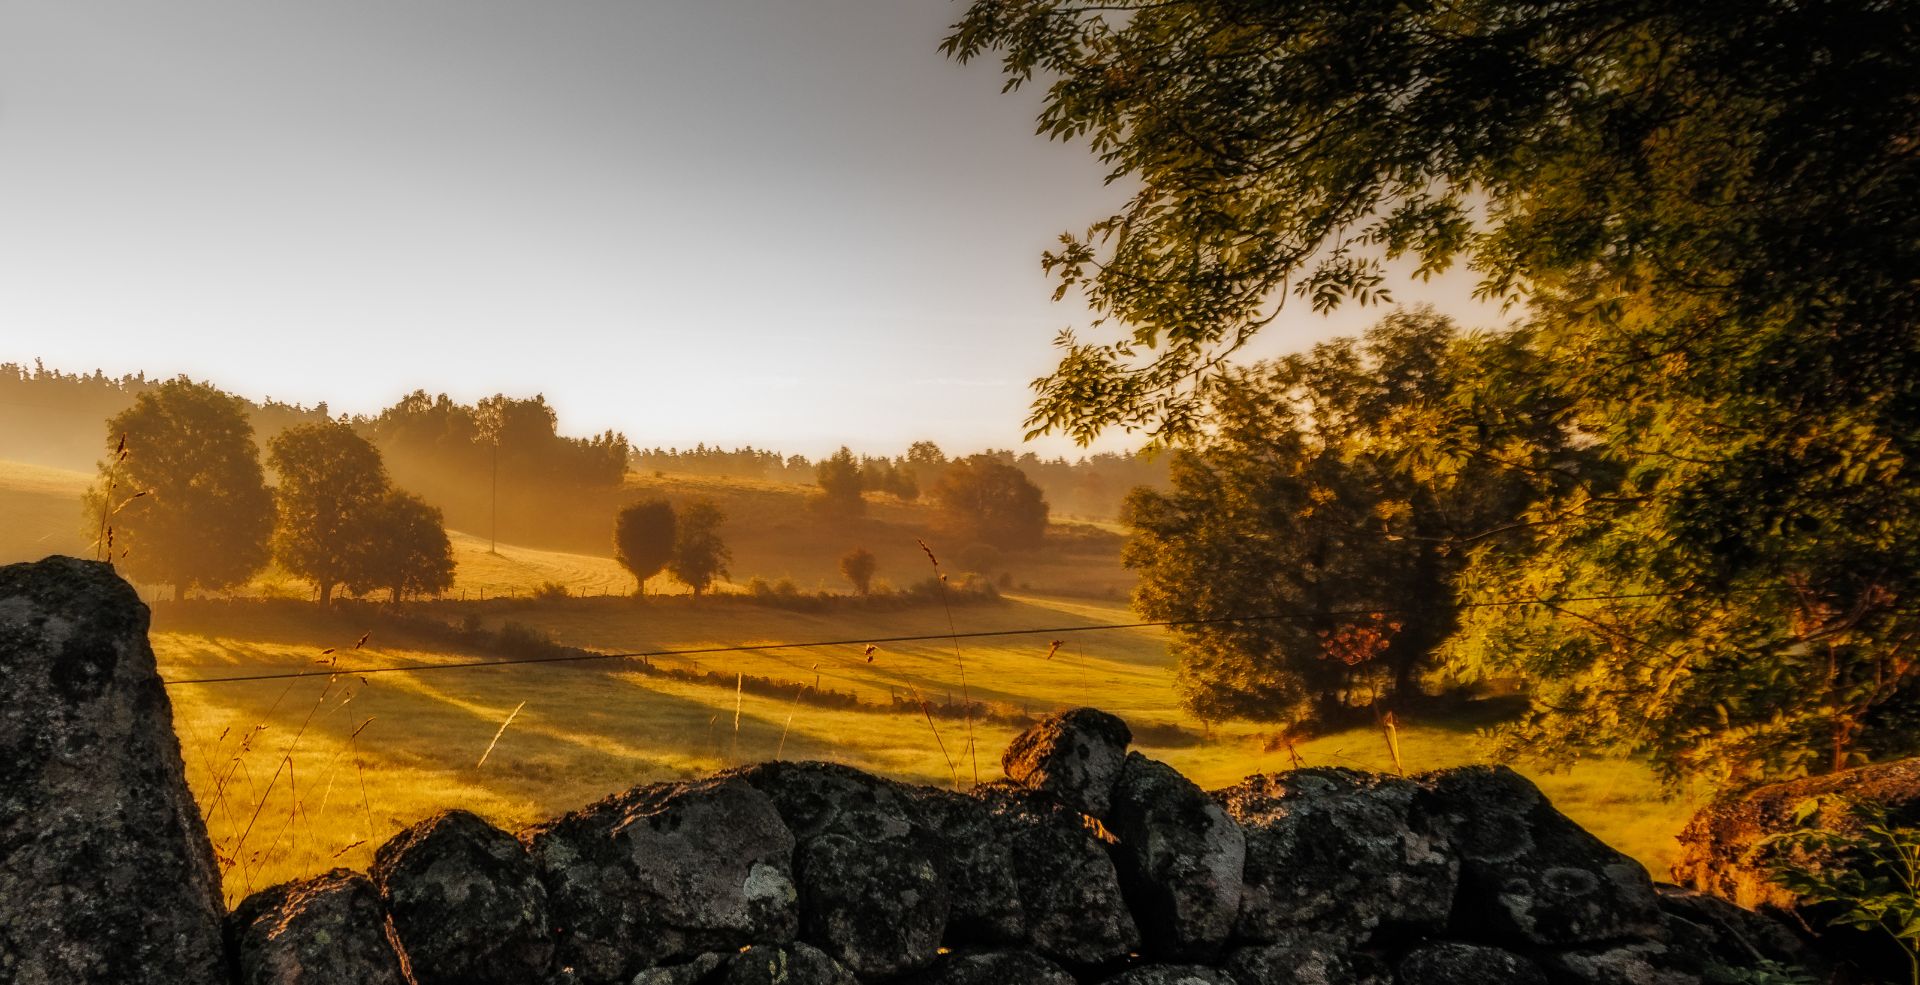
<point x="643" y="539"/>
<point x="331" y="484"/>
<point x="404" y="549"/>
<point x="182" y="492"/>
<point x="840" y="483"/>
<point x="699" y="555"/>
<point x="858" y="565"/>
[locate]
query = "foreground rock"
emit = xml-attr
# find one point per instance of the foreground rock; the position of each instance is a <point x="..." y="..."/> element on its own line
<point x="666" y="872"/>
<point x="106" y="874"/>
<point x="328" y="930"/>
<point x="871" y="893"/>
<point x="786" y="964"/>
<point x="995" y="968"/>
<point x="976" y="859"/>
<point x="1180" y="858"/>
<point x="1528" y="874"/>
<point x="466" y="902"/>
<point x="1308" y="959"/>
<point x="1075" y="757"/>
<point x="1467" y="964"/>
<point x="1069" y="889"/>
<point x="1342" y="852"/>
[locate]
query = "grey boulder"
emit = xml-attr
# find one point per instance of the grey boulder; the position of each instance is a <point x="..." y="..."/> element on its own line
<point x="328" y="930"/>
<point x="106" y="874"/>
<point x="1528" y="874"/>
<point x="994" y="968"/>
<point x="1340" y="851"/>
<point x="1453" y="963"/>
<point x="666" y="872"/>
<point x="466" y="902"/>
<point x="1075" y="757"/>
<point x="1179" y="857"/>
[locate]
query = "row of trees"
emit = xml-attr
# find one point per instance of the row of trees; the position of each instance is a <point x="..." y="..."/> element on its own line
<point x="981" y="499"/>
<point x="183" y="501"/>
<point x="1090" y="485"/>
<point x="651" y="536"/>
<point x="1710" y="419"/>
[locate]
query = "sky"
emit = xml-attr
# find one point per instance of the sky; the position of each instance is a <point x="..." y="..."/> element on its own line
<point x="786" y="223"/>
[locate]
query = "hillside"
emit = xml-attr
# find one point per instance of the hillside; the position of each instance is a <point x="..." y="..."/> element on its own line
<point x="773" y="531"/>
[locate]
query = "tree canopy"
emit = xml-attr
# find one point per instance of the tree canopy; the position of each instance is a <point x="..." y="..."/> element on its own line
<point x="699" y="555"/>
<point x="181" y="493"/>
<point x="1319" y="502"/>
<point x="1707" y="211"/>
<point x="840" y="484"/>
<point x="331" y="484"/>
<point x="991" y="502"/>
<point x="644" y="539"/>
<point x="403" y="549"/>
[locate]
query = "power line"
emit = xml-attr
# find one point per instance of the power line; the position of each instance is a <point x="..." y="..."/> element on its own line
<point x="864" y="640"/>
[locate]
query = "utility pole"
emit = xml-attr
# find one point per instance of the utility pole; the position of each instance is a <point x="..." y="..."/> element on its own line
<point x="493" y="519"/>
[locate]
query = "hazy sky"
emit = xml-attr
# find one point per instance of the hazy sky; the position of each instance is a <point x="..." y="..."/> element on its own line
<point x="785" y="222"/>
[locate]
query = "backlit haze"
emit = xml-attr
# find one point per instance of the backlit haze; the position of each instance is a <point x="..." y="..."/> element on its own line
<point x="790" y="224"/>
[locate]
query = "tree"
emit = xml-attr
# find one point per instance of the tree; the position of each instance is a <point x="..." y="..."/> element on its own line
<point x="331" y="484"/>
<point x="1337" y="496"/>
<point x="187" y="504"/>
<point x="839" y="478"/>
<point x="858" y="565"/>
<point x="644" y="539"/>
<point x="1708" y="209"/>
<point x="403" y="549"/>
<point x="989" y="501"/>
<point x="699" y="555"/>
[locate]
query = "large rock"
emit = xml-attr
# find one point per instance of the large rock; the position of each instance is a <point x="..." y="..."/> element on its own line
<point x="1172" y="974"/>
<point x="1342" y="852"/>
<point x="1624" y="963"/>
<point x="1730" y="935"/>
<point x="994" y="968"/>
<point x="785" y="964"/>
<point x="666" y="872"/>
<point x="1307" y="959"/>
<point x="977" y="860"/>
<point x="1179" y="856"/>
<point x="328" y="930"/>
<point x="1075" y="756"/>
<point x="1527" y="873"/>
<point x="106" y="874"/>
<point x="1069" y="889"/>
<point x="466" y="902"/>
<point x="872" y="895"/>
<point x="1453" y="963"/>
<point x="699" y="971"/>
<point x="1724" y="850"/>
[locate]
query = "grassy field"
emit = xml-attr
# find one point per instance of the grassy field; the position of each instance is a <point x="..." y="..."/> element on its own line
<point x="298" y="777"/>
<point x="343" y="763"/>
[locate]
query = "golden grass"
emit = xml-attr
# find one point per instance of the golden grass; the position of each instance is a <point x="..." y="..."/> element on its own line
<point x="40" y="512"/>
<point x="589" y="730"/>
<point x="586" y="730"/>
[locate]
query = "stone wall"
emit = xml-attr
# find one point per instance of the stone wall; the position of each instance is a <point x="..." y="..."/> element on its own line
<point x="1089" y="864"/>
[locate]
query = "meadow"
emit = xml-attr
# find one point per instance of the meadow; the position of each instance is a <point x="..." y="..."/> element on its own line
<point x="296" y="776"/>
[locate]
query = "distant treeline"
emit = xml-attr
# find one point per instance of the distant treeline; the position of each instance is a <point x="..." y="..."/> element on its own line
<point x="1088" y="486"/>
<point x="459" y="455"/>
<point x="59" y="419"/>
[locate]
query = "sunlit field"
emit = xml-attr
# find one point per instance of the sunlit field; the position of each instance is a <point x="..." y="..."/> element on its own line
<point x="307" y="792"/>
<point x="300" y="776"/>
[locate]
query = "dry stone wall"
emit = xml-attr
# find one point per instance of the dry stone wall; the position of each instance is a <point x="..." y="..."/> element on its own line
<point x="1091" y="863"/>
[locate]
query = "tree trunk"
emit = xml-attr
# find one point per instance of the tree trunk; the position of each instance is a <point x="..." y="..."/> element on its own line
<point x="396" y="595"/>
<point x="326" y="594"/>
